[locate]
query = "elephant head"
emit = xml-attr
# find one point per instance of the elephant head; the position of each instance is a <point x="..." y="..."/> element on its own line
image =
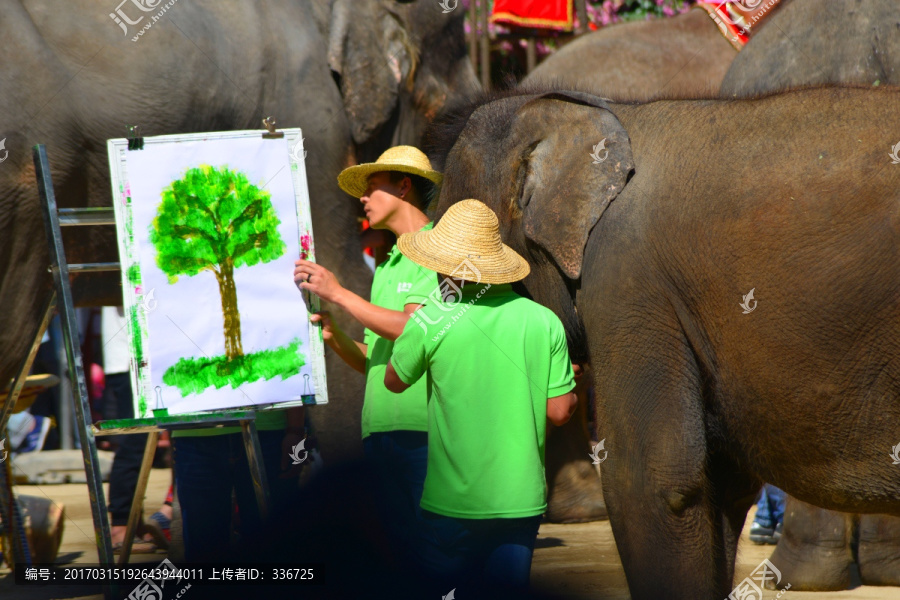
<point x="397" y="64"/>
<point x="548" y="164"/>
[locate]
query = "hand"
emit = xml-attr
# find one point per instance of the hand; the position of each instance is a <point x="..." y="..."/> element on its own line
<point x="329" y="327"/>
<point x="318" y="280"/>
<point x="288" y="469"/>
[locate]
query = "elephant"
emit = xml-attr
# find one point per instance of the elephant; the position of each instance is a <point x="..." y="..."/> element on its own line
<point x="685" y="56"/>
<point x="819" y="546"/>
<point x="817" y="42"/>
<point x="731" y="268"/>
<point x="355" y="76"/>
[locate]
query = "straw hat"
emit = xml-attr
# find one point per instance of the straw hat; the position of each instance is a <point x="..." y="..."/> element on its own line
<point x="466" y="244"/>
<point x="405" y="159"/>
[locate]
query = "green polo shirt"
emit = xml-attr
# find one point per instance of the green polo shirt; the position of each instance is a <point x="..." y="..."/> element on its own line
<point x="492" y="360"/>
<point x="398" y="281"/>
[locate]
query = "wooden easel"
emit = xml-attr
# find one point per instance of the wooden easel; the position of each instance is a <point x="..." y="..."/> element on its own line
<point x="61" y="299"/>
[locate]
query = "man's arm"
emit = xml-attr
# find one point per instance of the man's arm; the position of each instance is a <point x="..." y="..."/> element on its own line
<point x="322" y="282"/>
<point x="351" y="352"/>
<point x="561" y="408"/>
<point x="392" y="381"/>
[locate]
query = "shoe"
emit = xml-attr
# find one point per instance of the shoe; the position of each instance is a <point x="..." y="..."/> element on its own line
<point x="762" y="535"/>
<point x="160" y="527"/>
<point x="778" y="531"/>
<point x="138" y="546"/>
<point x="34" y="441"/>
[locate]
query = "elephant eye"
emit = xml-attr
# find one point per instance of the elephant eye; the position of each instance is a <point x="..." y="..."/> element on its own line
<point x="524" y="191"/>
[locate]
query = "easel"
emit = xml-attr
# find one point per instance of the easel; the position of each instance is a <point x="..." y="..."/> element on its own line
<point x="61" y="299"/>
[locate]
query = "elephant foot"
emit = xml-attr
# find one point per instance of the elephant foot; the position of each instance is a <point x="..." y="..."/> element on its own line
<point x="814" y="552"/>
<point x="576" y="495"/>
<point x="879" y="550"/>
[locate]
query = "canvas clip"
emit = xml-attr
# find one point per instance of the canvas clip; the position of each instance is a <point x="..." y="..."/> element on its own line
<point x="135" y="141"/>
<point x="271" y="134"/>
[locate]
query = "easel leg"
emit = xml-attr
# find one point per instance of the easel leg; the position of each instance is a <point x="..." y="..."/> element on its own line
<point x="66" y="305"/>
<point x="257" y="469"/>
<point x="137" y="503"/>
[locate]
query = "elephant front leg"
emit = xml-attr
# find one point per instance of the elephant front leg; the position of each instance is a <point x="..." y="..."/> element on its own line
<point x="675" y="509"/>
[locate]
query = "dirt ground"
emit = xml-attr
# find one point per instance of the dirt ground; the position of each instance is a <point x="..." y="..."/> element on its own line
<point x="570" y="561"/>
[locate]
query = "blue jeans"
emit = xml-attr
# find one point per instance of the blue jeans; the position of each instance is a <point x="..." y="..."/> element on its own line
<point x="477" y="555"/>
<point x="770" y="506"/>
<point x="207" y="469"/>
<point x="399" y="459"/>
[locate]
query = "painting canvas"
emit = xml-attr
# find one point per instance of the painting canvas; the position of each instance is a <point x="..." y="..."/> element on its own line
<point x="209" y="227"/>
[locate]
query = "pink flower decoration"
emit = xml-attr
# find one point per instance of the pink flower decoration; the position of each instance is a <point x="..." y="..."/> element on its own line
<point x="305" y="245"/>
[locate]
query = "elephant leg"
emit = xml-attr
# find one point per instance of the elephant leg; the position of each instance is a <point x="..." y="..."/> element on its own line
<point x="675" y="522"/>
<point x="878" y="553"/>
<point x="815" y="549"/>
<point x="575" y="494"/>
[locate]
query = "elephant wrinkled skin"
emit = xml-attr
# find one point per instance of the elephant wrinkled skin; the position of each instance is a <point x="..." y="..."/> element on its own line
<point x="697" y="202"/>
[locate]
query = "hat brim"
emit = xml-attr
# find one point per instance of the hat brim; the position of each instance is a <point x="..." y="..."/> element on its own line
<point x="355" y="180"/>
<point x="503" y="266"/>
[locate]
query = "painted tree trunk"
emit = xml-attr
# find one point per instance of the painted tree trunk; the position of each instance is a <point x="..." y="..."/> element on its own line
<point x="228" y="292"/>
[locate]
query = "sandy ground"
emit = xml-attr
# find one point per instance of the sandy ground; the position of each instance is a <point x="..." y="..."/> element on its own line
<point x="571" y="561"/>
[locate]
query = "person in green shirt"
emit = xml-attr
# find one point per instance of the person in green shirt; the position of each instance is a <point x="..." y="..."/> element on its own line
<point x="497" y="367"/>
<point x="394" y="191"/>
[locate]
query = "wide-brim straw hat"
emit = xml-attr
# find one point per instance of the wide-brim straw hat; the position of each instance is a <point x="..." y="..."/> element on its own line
<point x="466" y="244"/>
<point x="406" y="159"/>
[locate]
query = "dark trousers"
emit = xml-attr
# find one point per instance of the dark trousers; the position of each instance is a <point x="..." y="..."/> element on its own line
<point x="478" y="557"/>
<point x="127" y="462"/>
<point x="207" y="469"/>
<point x="399" y="458"/>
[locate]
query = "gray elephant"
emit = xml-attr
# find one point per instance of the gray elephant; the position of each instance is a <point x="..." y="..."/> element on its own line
<point x="820" y="546"/>
<point x="685" y="56"/>
<point x="815" y="42"/>
<point x="356" y="76"/>
<point x="736" y="271"/>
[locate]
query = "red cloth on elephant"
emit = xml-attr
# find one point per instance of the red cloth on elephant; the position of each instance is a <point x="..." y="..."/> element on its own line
<point x="729" y="19"/>
<point x="543" y="14"/>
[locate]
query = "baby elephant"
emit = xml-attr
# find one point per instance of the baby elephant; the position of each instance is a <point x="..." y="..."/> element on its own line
<point x="735" y="265"/>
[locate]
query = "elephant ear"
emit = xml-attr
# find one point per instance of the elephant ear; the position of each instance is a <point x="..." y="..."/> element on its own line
<point x="370" y="50"/>
<point x="579" y="165"/>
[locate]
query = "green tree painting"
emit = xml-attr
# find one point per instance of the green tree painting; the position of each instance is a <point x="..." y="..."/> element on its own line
<point x="213" y="219"/>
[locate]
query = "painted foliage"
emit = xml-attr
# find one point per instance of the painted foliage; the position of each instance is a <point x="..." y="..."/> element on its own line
<point x="209" y="227"/>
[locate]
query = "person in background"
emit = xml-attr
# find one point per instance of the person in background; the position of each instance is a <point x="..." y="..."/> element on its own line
<point x="497" y="368"/>
<point x="769" y="520"/>
<point x="126" y="467"/>
<point x="394" y="191"/>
